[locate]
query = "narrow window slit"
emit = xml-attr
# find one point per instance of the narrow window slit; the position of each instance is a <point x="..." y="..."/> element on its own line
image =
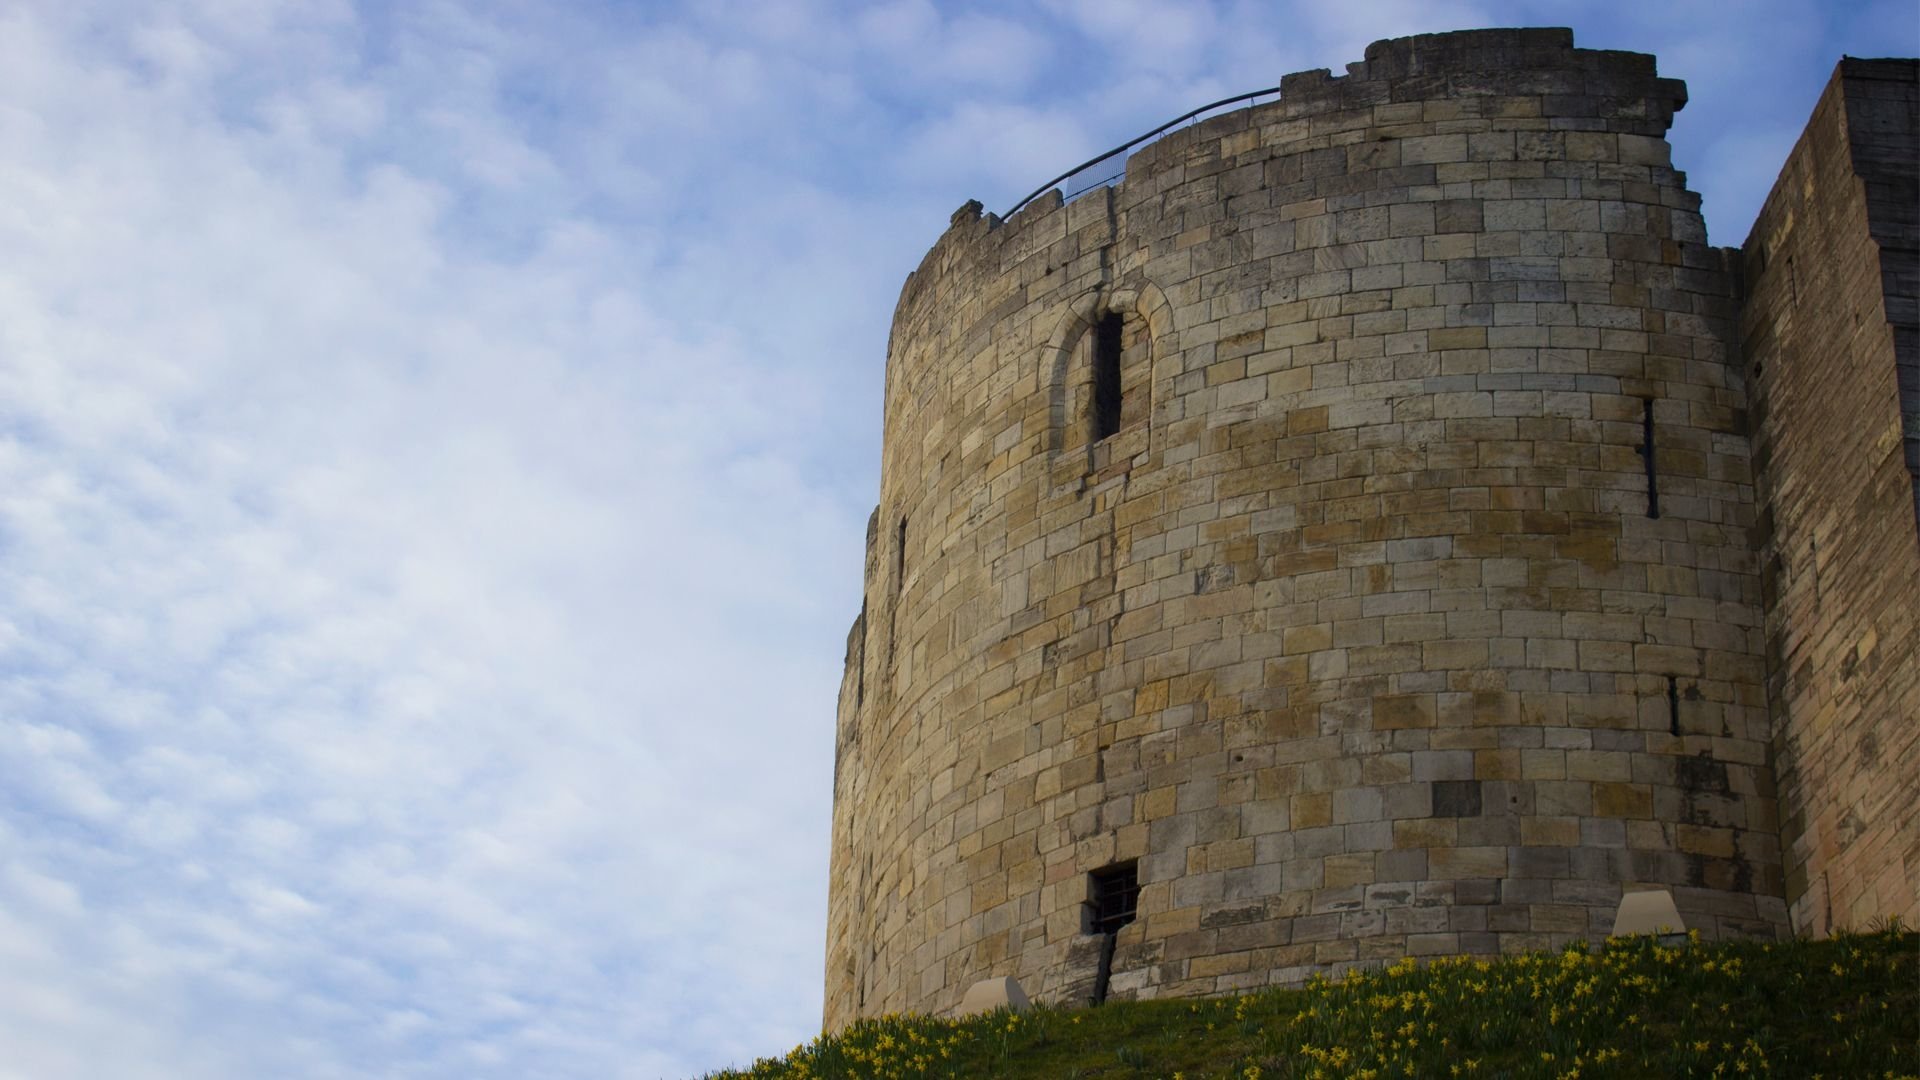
<point x="1673" y="705"/>
<point x="900" y="557"/>
<point x="1646" y="451"/>
<point x="1113" y="899"/>
<point x="1106" y="376"/>
<point x="899" y="587"/>
<point x="860" y="663"/>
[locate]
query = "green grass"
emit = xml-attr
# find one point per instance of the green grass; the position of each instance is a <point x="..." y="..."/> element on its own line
<point x="1846" y="1008"/>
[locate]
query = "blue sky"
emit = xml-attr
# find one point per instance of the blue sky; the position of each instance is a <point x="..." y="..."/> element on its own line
<point x="436" y="441"/>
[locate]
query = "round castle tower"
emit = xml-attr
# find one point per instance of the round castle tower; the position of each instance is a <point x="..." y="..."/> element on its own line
<point x="1326" y="545"/>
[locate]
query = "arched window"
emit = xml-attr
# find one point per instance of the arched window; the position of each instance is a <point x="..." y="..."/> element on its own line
<point x="1100" y="376"/>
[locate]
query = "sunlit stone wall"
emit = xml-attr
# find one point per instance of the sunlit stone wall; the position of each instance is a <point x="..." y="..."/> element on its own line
<point x="1831" y="336"/>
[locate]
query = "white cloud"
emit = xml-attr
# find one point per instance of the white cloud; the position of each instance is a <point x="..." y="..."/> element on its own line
<point x="1155" y="35"/>
<point x="1000" y="145"/>
<point x="897" y="24"/>
<point x="912" y="40"/>
<point x="371" y="601"/>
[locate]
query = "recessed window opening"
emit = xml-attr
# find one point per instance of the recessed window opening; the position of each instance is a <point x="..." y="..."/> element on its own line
<point x="899" y="587"/>
<point x="1113" y="896"/>
<point x="1673" y="705"/>
<point x="1106" y="375"/>
<point x="1113" y="899"/>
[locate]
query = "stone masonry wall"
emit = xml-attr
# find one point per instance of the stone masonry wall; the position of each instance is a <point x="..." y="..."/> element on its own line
<point x="1359" y="634"/>
<point x="1830" y="343"/>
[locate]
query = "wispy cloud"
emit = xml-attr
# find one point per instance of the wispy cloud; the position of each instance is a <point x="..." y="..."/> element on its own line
<point x="435" y="447"/>
<point x="376" y="602"/>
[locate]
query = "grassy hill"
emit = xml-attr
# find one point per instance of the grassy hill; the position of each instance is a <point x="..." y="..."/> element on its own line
<point x="1846" y="1008"/>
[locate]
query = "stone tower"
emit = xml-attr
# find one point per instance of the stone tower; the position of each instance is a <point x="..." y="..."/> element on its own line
<point x="1333" y="542"/>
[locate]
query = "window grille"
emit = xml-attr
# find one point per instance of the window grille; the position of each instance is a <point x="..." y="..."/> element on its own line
<point x="1114" y="896"/>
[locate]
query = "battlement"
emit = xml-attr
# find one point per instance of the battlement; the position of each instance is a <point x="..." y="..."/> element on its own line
<point x="1488" y="63"/>
<point x="1452" y="81"/>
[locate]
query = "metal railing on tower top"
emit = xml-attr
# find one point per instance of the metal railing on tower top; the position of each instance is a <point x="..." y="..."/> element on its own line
<point x="1128" y="145"/>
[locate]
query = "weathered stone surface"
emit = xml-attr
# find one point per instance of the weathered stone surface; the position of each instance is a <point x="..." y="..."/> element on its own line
<point x="1359" y="634"/>
<point x="1831" y="344"/>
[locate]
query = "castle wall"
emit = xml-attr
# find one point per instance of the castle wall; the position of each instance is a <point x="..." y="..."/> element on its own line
<point x="1830" y="343"/>
<point x="1359" y="634"/>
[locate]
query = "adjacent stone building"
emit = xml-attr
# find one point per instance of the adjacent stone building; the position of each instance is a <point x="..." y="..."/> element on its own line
<point x="1830" y="339"/>
<point x="1381" y="524"/>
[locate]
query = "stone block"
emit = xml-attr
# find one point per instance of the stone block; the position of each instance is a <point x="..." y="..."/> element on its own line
<point x="987" y="995"/>
<point x="1405" y="711"/>
<point x="1456" y="798"/>
<point x="1622" y="800"/>
<point x="1649" y="911"/>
